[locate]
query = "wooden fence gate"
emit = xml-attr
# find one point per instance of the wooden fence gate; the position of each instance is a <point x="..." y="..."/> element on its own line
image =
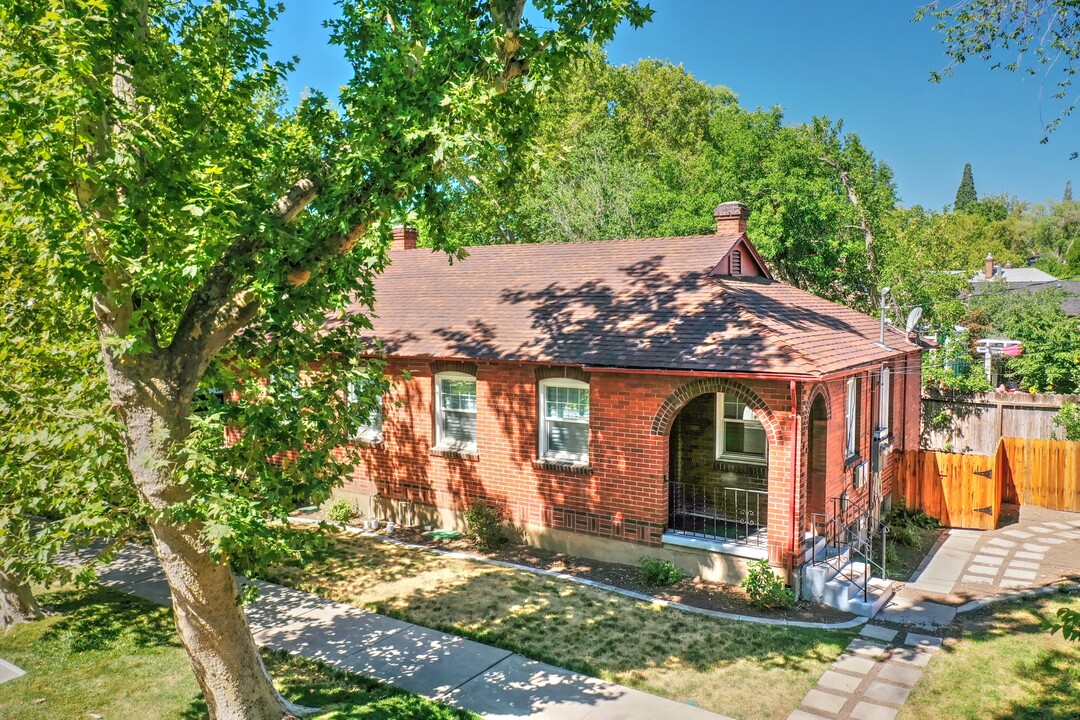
<point x="959" y="491"/>
<point x="966" y="491"/>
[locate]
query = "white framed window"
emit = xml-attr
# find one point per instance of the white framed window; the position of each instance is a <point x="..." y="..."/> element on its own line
<point x="740" y="436"/>
<point x="850" y="412"/>
<point x="564" y="420"/>
<point x="369" y="429"/>
<point x="455" y="411"/>
<point x="883" y="402"/>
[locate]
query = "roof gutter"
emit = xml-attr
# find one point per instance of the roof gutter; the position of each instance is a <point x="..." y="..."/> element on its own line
<point x="700" y="373"/>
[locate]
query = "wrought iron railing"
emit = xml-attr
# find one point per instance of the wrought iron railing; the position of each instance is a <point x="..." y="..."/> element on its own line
<point x="715" y="512"/>
<point x="854" y="527"/>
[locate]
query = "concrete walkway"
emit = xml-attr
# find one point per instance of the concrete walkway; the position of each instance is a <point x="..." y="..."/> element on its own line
<point x="491" y="682"/>
<point x="872" y="679"/>
<point x="967" y="568"/>
<point x="9" y="671"/>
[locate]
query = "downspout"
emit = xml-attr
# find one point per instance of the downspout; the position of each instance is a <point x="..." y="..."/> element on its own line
<point x="796" y="445"/>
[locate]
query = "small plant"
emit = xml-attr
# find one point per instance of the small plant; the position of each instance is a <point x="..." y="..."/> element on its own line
<point x="1068" y="418"/>
<point x="906" y="535"/>
<point x="765" y="589"/>
<point x="341" y="510"/>
<point x="485" y="525"/>
<point x="658" y="573"/>
<point x="901" y="514"/>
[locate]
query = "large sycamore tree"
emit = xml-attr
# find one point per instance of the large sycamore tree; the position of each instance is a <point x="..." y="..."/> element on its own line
<point x="147" y="155"/>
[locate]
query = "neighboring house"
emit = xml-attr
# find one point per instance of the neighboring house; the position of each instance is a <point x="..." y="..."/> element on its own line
<point x="659" y="397"/>
<point x="1025" y="278"/>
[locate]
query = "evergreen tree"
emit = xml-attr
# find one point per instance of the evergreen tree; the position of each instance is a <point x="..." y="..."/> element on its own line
<point x="1067" y="197"/>
<point x="965" y="194"/>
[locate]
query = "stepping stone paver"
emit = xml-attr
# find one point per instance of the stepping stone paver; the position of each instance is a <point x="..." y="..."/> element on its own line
<point x="982" y="570"/>
<point x="1019" y="574"/>
<point x="857" y="665"/>
<point x="872" y="711"/>
<point x="910" y="656"/>
<point x="833" y="680"/>
<point x="1070" y="535"/>
<point x="1002" y="542"/>
<point x="1040" y="529"/>
<point x="1024" y="565"/>
<point x="803" y="715"/>
<point x="1032" y="547"/>
<point x="1051" y="540"/>
<point x="1029" y="555"/>
<point x="988" y="560"/>
<point x="900" y="673"/>
<point x="1012" y="583"/>
<point x="878" y="632"/>
<point x="886" y="693"/>
<point x="1057" y="525"/>
<point x="978" y="579"/>
<point x="821" y="700"/>
<point x="866" y="648"/>
<point x="994" y="550"/>
<point x="925" y="643"/>
<point x="1017" y="534"/>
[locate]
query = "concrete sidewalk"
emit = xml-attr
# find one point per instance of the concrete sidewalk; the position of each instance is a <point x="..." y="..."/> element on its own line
<point x="491" y="682"/>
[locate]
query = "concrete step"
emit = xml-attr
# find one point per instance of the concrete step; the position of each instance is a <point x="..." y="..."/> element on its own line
<point x="838" y="584"/>
<point x="879" y="593"/>
<point x="813" y="545"/>
<point x="818" y="575"/>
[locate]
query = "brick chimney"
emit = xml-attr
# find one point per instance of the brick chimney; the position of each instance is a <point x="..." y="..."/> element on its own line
<point x="989" y="269"/>
<point x="731" y="218"/>
<point x="404" y="238"/>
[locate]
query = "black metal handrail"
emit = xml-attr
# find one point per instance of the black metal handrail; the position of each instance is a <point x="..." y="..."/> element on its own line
<point x="716" y="512"/>
<point x="854" y="527"/>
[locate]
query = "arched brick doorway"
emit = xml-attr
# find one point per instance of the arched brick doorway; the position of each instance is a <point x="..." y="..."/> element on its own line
<point x="817" y="452"/>
<point x="721" y="436"/>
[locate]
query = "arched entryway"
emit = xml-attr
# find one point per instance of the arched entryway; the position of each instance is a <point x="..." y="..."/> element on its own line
<point x="718" y="480"/>
<point x="817" y="452"/>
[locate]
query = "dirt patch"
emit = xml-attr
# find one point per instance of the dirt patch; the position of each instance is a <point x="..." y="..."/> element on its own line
<point x="689" y="591"/>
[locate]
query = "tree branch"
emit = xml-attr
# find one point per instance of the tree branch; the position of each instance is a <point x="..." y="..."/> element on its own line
<point x="853" y="197"/>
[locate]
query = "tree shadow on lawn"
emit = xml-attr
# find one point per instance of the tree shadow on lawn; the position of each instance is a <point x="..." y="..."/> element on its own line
<point x="101" y="619"/>
<point x="599" y="633"/>
<point x="1054" y="672"/>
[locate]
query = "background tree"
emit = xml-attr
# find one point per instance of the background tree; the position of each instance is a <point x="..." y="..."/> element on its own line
<point x="62" y="478"/>
<point x="213" y="231"/>
<point x="965" y="193"/>
<point x="647" y="150"/>
<point x="1029" y="36"/>
<point x="1067" y="195"/>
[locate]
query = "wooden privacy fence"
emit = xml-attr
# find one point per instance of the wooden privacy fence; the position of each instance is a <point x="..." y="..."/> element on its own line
<point x="1040" y="472"/>
<point x="966" y="491"/>
<point x="957" y="490"/>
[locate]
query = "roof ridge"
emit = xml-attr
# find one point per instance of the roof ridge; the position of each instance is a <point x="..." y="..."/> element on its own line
<point x="559" y="243"/>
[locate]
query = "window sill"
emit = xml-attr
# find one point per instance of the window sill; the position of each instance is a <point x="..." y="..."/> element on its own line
<point x="455" y="453"/>
<point x="852" y="460"/>
<point x="577" y="468"/>
<point x="742" y="460"/>
<point x="716" y="546"/>
<point x="374" y="443"/>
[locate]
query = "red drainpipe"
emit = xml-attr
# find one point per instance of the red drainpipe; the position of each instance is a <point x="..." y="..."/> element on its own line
<point x="796" y="444"/>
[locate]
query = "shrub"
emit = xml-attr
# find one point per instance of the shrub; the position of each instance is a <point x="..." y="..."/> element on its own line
<point x="657" y="572"/>
<point x="1068" y="418"/>
<point x="485" y="525"/>
<point x="341" y="510"/>
<point x="765" y="589"/>
<point x="901" y="514"/>
<point x="906" y="535"/>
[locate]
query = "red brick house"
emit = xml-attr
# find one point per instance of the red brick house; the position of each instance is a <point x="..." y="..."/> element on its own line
<point x="664" y="397"/>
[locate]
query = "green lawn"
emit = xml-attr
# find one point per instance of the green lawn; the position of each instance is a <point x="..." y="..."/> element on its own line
<point x="109" y="655"/>
<point x="1001" y="664"/>
<point x="744" y="670"/>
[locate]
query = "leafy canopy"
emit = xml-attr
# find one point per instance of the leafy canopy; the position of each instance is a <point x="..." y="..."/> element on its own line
<point x="148" y="160"/>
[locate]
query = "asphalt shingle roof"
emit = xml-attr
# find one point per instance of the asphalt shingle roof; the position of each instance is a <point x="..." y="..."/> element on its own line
<point x="644" y="303"/>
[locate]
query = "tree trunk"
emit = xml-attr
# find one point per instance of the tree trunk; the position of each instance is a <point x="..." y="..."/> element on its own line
<point x="210" y="622"/>
<point x="17" y="603"/>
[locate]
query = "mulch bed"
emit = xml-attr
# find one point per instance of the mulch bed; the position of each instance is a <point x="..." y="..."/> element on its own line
<point x="689" y="591"/>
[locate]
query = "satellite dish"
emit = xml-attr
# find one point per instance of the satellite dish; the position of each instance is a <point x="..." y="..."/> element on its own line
<point x="913" y="319"/>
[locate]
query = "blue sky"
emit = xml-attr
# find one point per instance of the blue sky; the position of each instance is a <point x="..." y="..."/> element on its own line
<point x="863" y="61"/>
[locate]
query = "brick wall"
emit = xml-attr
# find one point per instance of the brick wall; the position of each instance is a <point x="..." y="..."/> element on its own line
<point x="624" y="494"/>
<point x="905" y="409"/>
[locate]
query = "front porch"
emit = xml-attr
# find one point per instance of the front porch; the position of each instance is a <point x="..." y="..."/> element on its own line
<point x="718" y="498"/>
